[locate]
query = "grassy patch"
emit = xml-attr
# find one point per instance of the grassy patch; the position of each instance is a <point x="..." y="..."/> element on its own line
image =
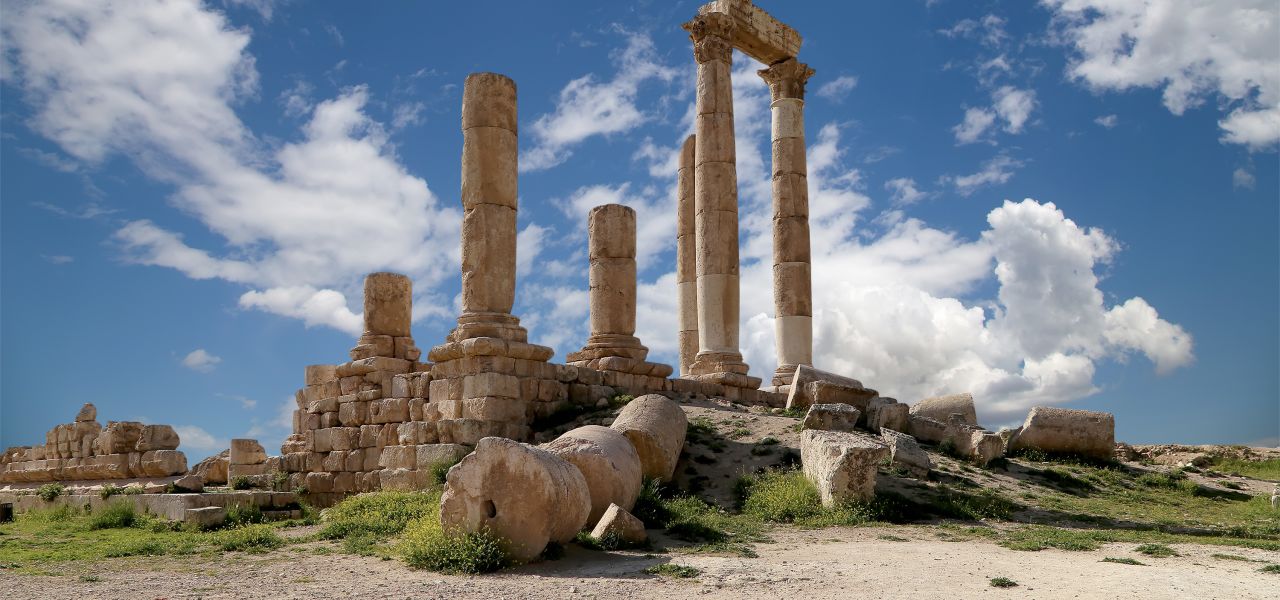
<point x="1124" y="561"/>
<point x="440" y="470"/>
<point x="377" y="514"/>
<point x="1230" y="557"/>
<point x="1038" y="537"/>
<point x="1270" y="569"/>
<point x="244" y="515"/>
<point x="425" y="545"/>
<point x="1003" y="582"/>
<point x="673" y="570"/>
<point x="49" y="491"/>
<point x="240" y="482"/>
<point x="254" y="539"/>
<point x="114" y="516"/>
<point x="1268" y="470"/>
<point x="1156" y="550"/>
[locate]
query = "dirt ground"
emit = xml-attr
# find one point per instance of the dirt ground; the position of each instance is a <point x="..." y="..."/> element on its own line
<point x="868" y="562"/>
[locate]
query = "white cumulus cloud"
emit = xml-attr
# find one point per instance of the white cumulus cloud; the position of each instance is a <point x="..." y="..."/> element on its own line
<point x="200" y="360"/>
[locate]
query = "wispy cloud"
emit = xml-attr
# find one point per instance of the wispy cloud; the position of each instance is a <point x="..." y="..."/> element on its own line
<point x="995" y="171"/>
<point x="838" y="89"/>
<point x="200" y="360"/>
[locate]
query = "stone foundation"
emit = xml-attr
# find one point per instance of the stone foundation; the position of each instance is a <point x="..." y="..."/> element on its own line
<point x="84" y="450"/>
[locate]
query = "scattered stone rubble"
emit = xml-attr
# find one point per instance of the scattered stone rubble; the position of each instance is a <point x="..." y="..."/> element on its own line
<point x="84" y="450"/>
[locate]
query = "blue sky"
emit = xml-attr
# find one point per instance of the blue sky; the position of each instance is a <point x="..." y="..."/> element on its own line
<point x="1041" y="203"/>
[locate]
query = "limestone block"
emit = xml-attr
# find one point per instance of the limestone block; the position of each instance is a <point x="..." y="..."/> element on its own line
<point x="831" y="417"/>
<point x="189" y="483"/>
<point x="320" y="374"/>
<point x="842" y="465"/>
<point x="354" y="460"/>
<point x="607" y="460"/>
<point x="1065" y="430"/>
<point x="401" y="386"/>
<point x="205" y="517"/>
<point x="369" y="435"/>
<point x="490" y="384"/>
<point x="986" y="447"/>
<point x="345" y="438"/>
<point x="213" y="470"/>
<point x="429" y="455"/>
<point x="157" y="437"/>
<point x="163" y="463"/>
<point x="404" y="348"/>
<point x="656" y="427"/>
<point x="804" y="375"/>
<point x="526" y="496"/>
<point x="495" y="409"/>
<point x="886" y="413"/>
<point x="905" y="452"/>
<point x="616" y="522"/>
<point x="353" y="414"/>
<point x="389" y="410"/>
<point x="344" y="483"/>
<point x="925" y="429"/>
<point x="404" y="480"/>
<point x="793" y="288"/>
<point x="118" y="437"/>
<point x="388" y="304"/>
<point x="488" y="258"/>
<point x="88" y="412"/>
<point x="940" y="408"/>
<point x="489" y="100"/>
<point x="320" y="483"/>
<point x="247" y="452"/>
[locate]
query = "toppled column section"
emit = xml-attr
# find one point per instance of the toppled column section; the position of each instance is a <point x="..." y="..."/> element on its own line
<point x="656" y="427"/>
<point x="941" y="408"/>
<point x="686" y="256"/>
<point x="388" y="316"/>
<point x="84" y="450"/>
<point x="613" y="345"/>
<point x="719" y="358"/>
<point x="809" y="386"/>
<point x="607" y="460"/>
<point x="526" y="496"/>
<point x="1068" y="431"/>
<point x="792" y="286"/>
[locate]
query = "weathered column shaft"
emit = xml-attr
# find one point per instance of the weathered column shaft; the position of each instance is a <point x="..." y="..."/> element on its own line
<point x="686" y="253"/>
<point x="716" y="204"/>
<point x="388" y="304"/>
<point x="792" y="285"/>
<point x="489" y="154"/>
<point x="612" y="275"/>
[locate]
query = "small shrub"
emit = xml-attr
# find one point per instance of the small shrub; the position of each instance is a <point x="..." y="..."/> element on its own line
<point x="620" y="400"/>
<point x="1230" y="557"/>
<point x="379" y="513"/>
<point x="249" y="538"/>
<point x="1231" y="485"/>
<point x="1003" y="582"/>
<point x="110" y="490"/>
<point x="90" y="578"/>
<point x="794" y="413"/>
<point x="768" y="441"/>
<point x="49" y="491"/>
<point x="425" y="545"/>
<point x="1270" y="569"/>
<point x="115" y="515"/>
<point x="244" y="514"/>
<point x="1156" y="550"/>
<point x="740" y="432"/>
<point x="892" y="538"/>
<point x="279" y="481"/>
<point x="761" y="450"/>
<point x="440" y="470"/>
<point x="781" y="497"/>
<point x="241" y="482"/>
<point x="650" y="506"/>
<point x="1124" y="561"/>
<point x="673" y="570"/>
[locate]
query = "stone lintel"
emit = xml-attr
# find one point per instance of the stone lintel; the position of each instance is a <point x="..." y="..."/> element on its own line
<point x="756" y="33"/>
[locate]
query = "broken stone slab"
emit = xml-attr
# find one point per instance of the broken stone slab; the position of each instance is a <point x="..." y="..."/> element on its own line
<point x="118" y="437"/>
<point x="189" y="483"/>
<point x="526" y="496"/>
<point x="248" y="452"/>
<point x="157" y="437"/>
<point x="842" y="465"/>
<point x="924" y="429"/>
<point x="607" y="460"/>
<point x="207" y="517"/>
<point x="839" y="389"/>
<point x="886" y="413"/>
<point x="621" y="525"/>
<point x="1068" y="431"/>
<point x="163" y="463"/>
<point x="88" y="412"/>
<point x="905" y="452"/>
<point x="972" y="442"/>
<point x="831" y="417"/>
<point x="656" y="426"/>
<point x="940" y="408"/>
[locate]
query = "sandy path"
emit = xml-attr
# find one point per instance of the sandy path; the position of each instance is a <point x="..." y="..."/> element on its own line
<point x="831" y="563"/>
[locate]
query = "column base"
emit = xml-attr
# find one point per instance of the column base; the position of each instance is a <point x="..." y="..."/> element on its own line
<point x="489" y="346"/>
<point x="724" y="368"/>
<point x="623" y="365"/>
<point x="488" y="325"/>
<point x="783" y="375"/>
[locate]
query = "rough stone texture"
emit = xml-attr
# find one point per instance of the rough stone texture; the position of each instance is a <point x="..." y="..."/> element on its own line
<point x="842" y="465"/>
<point x="972" y="442"/>
<point x="686" y="256"/>
<point x="618" y="523"/>
<point x="213" y="470"/>
<point x="388" y="304"/>
<point x="656" y="427"/>
<point x="247" y="452"/>
<point x="157" y="437"/>
<point x="1065" y="430"/>
<point x="840" y="389"/>
<point x="886" y="413"/>
<point x="831" y="417"/>
<point x="607" y="460"/>
<point x="756" y="33"/>
<point x="206" y="517"/>
<point x="905" y="452"/>
<point x="941" y="408"/>
<point x="189" y="483"/>
<point x="87" y="413"/>
<point x="926" y="430"/>
<point x="527" y="496"/>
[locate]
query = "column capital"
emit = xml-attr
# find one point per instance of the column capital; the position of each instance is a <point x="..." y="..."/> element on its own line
<point x="712" y="36"/>
<point x="786" y="78"/>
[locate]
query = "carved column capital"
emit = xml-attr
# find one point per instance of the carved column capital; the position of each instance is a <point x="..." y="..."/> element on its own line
<point x="786" y="78"/>
<point x="712" y="36"/>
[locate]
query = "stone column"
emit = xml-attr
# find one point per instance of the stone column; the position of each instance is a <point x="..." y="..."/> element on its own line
<point x="686" y="264"/>
<point x="613" y="345"/>
<point x="792" y="287"/>
<point x="716" y="205"/>
<point x="489" y="155"/>
<point x="388" y="315"/>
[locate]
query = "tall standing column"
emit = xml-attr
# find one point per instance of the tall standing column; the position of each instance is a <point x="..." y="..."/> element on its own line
<point x="489" y="154"/>
<point x="686" y="253"/>
<point x="792" y="286"/>
<point x="716" y="206"/>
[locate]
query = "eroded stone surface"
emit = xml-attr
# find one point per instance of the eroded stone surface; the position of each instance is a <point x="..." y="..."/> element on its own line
<point x="831" y="417"/>
<point x="607" y="460"/>
<point x="1065" y="430"/>
<point x="941" y="408"/>
<point x="842" y="465"/>
<point x="616" y="522"/>
<point x="656" y="427"/>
